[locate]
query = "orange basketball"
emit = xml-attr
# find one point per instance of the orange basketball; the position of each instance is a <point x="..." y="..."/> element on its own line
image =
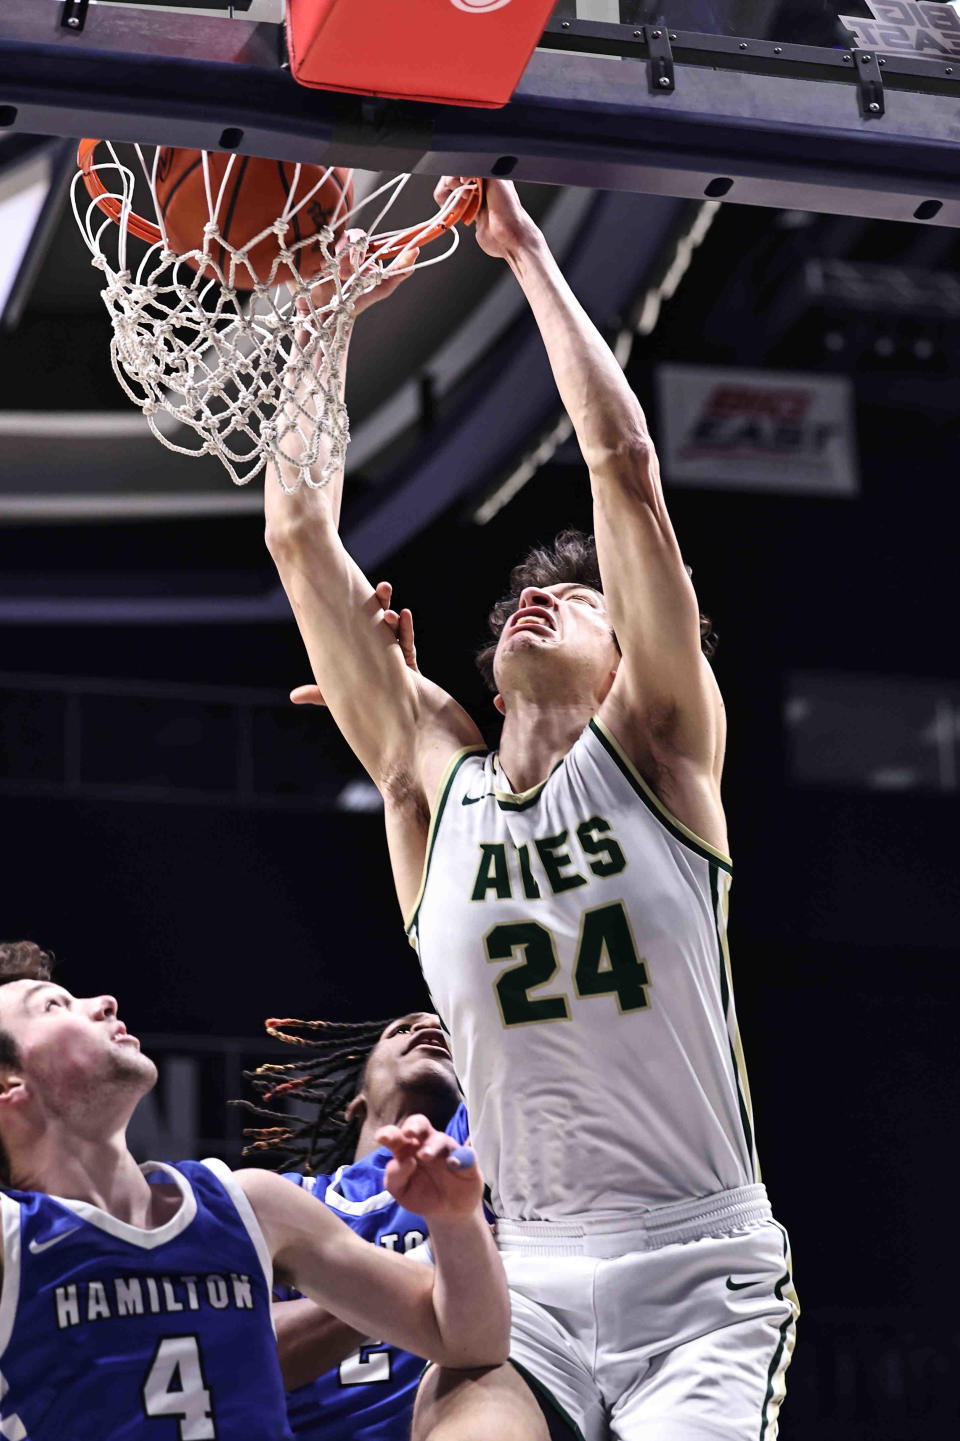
<point x="254" y="196"/>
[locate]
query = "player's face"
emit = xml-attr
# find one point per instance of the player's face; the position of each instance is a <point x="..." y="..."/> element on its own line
<point x="559" y="640"/>
<point x="71" y="1047"/>
<point x="412" y="1055"/>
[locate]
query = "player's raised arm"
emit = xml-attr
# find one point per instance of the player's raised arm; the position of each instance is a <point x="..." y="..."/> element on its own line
<point x="456" y="1313"/>
<point x="401" y="727"/>
<point x="650" y="598"/>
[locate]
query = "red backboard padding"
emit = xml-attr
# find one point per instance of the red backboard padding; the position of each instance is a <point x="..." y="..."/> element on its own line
<point x="451" y="52"/>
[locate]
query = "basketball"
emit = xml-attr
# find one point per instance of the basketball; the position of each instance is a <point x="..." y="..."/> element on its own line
<point x="247" y="195"/>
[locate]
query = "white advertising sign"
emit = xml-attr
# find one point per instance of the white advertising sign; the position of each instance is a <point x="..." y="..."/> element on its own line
<point x="757" y="430"/>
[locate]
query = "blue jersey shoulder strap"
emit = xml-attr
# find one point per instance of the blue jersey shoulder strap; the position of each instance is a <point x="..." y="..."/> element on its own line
<point x="164" y="1333"/>
<point x="459" y="1126"/>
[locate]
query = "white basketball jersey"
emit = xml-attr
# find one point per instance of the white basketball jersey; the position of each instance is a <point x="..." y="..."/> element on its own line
<point x="574" y="942"/>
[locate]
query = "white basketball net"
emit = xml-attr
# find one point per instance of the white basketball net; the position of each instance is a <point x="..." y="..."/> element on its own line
<point x="255" y="373"/>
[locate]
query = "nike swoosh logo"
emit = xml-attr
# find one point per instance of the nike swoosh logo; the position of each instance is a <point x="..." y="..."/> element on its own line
<point x="733" y="1285"/>
<point x="473" y="800"/>
<point x="37" y="1247"/>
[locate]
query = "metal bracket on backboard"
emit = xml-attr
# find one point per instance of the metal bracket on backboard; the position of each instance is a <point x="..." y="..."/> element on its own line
<point x="662" y="79"/>
<point x="869" y="84"/>
<point x="74" y="15"/>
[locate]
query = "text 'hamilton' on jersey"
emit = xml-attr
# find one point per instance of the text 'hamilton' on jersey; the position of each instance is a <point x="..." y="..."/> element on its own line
<point x="574" y="940"/>
<point x="133" y="1296"/>
<point x="109" y="1331"/>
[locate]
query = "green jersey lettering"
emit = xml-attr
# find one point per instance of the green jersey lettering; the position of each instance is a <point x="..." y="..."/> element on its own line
<point x="607" y="960"/>
<point x="539" y="964"/>
<point x="492" y="874"/>
<point x="530" y="888"/>
<point x="613" y="860"/>
<point x="555" y="861"/>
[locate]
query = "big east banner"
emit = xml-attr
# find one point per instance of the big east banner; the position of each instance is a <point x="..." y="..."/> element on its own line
<point x="909" y="27"/>
<point x="757" y="430"/>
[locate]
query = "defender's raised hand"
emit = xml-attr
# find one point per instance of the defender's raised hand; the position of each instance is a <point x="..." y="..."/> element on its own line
<point x="425" y="1176"/>
<point x="400" y="622"/>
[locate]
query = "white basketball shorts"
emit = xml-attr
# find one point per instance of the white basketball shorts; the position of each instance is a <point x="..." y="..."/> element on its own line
<point x="678" y="1329"/>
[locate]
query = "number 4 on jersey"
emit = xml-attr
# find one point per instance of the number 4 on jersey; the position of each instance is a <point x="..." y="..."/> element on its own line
<point x="606" y="964"/>
<point x="607" y="960"/>
<point x="175" y="1387"/>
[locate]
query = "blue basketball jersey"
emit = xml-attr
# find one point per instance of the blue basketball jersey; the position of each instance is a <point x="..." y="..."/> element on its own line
<point x="112" y="1333"/>
<point x="368" y="1397"/>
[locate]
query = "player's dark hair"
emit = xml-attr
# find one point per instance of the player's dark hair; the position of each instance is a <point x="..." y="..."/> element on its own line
<point x="570" y="560"/>
<point x="327" y="1077"/>
<point x="19" y="961"/>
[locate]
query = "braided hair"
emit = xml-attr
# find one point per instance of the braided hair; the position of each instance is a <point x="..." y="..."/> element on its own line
<point x="328" y="1078"/>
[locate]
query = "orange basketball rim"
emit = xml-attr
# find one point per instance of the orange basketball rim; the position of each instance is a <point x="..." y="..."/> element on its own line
<point x="465" y="209"/>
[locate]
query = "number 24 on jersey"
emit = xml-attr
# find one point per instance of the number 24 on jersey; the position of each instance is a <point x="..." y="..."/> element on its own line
<point x="606" y="964"/>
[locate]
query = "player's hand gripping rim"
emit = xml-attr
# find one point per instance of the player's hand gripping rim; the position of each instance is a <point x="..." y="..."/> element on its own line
<point x="502" y="224"/>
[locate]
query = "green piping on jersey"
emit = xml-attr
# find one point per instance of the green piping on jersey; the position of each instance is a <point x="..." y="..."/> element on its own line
<point x="443" y="791"/>
<point x="739" y="1058"/>
<point x="776" y="1388"/>
<point x="521" y="800"/>
<point x="733" y="1036"/>
<point x="677" y="829"/>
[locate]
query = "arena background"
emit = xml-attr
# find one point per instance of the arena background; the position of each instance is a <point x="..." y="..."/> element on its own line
<point x="183" y="839"/>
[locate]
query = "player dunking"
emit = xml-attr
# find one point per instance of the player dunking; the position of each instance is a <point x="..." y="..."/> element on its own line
<point x="136" y="1301"/>
<point x="567" y="897"/>
<point x="351" y="1081"/>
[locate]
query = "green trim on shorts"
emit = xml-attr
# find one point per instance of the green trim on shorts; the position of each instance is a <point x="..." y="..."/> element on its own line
<point x="546" y="1395"/>
<point x="775" y="1367"/>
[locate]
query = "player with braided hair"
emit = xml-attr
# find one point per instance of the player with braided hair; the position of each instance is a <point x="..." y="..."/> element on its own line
<point x="327" y="1079"/>
<point x="355" y="1078"/>
<point x="140" y="1295"/>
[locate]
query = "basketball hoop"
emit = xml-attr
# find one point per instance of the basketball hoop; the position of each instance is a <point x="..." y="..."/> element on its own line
<point x="240" y="339"/>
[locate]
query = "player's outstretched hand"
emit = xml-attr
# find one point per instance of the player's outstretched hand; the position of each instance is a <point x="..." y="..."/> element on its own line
<point x="428" y="1174"/>
<point x="502" y="223"/>
<point x="351" y="247"/>
<point x="400" y="622"/>
<point x="391" y="277"/>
